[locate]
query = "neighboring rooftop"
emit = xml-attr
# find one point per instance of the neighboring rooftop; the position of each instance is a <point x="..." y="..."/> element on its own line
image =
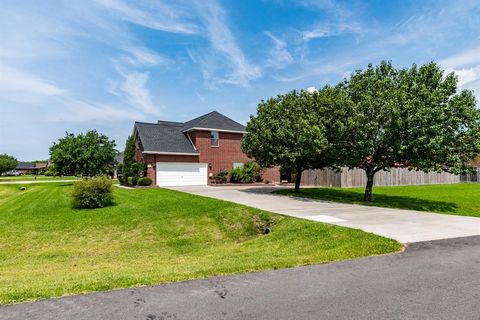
<point x="25" y="166"/>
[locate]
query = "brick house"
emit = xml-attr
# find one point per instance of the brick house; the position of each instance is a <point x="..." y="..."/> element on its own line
<point x="189" y="153"/>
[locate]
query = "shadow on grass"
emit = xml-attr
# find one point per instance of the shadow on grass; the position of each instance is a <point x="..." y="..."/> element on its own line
<point x="379" y="200"/>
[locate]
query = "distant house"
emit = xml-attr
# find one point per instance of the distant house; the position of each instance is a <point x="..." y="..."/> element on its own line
<point x="188" y="153"/>
<point x="31" y="167"/>
<point x="119" y="161"/>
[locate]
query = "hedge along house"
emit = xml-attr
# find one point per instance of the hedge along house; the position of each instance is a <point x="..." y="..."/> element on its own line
<point x="189" y="153"/>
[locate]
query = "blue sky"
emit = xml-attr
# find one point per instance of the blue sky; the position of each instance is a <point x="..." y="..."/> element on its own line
<point x="102" y="64"/>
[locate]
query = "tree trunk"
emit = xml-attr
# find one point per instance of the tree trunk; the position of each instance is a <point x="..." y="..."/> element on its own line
<point x="368" y="189"/>
<point x="298" y="178"/>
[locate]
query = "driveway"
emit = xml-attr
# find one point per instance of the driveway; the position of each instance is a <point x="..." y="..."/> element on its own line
<point x="430" y="280"/>
<point x="402" y="225"/>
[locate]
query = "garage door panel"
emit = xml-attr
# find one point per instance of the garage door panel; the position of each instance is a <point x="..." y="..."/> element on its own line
<point x="181" y="174"/>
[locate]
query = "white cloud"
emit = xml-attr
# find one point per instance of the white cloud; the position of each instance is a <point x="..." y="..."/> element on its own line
<point x="141" y="56"/>
<point x="134" y="89"/>
<point x="16" y="83"/>
<point x="154" y="15"/>
<point x="224" y="44"/>
<point x="462" y="59"/>
<point x="467" y="75"/>
<point x="78" y="111"/>
<point x="330" y="30"/>
<point x="279" y="55"/>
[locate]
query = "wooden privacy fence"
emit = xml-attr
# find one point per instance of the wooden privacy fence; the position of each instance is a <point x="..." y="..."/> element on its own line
<point x="471" y="176"/>
<point x="395" y="177"/>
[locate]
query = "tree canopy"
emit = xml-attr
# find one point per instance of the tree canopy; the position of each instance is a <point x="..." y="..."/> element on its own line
<point x="7" y="163"/>
<point x="88" y="154"/>
<point x="411" y="117"/>
<point x="290" y="131"/>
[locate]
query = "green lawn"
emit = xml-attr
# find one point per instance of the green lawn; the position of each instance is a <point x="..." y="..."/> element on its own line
<point x="150" y="236"/>
<point x="32" y="178"/>
<point x="458" y="199"/>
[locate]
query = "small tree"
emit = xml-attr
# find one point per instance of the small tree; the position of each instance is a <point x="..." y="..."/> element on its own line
<point x="87" y="154"/>
<point x="287" y="132"/>
<point x="7" y="163"/>
<point x="129" y="153"/>
<point x="411" y="117"/>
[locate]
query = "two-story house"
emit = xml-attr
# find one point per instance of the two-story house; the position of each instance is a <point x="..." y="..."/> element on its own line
<point x="189" y="153"/>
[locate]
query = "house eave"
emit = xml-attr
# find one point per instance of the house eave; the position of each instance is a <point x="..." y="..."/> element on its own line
<point x="213" y="129"/>
<point x="172" y="153"/>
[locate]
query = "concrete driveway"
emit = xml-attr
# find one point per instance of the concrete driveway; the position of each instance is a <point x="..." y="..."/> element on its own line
<point x="402" y="225"/>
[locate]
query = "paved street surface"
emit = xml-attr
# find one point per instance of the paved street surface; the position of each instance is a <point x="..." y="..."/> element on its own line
<point x="405" y="226"/>
<point x="430" y="280"/>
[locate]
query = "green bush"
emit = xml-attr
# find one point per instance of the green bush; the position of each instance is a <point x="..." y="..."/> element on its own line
<point x="92" y="193"/>
<point x="221" y="176"/>
<point x="50" y="171"/>
<point x="144" y="181"/>
<point x="132" y="180"/>
<point x="248" y="173"/>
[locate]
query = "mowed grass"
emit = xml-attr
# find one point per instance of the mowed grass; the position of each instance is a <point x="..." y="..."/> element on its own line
<point x="151" y="236"/>
<point x="32" y="178"/>
<point x="457" y="199"/>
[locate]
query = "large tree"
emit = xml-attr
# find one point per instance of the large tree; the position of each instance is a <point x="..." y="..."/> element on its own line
<point x="291" y="131"/>
<point x="412" y="117"/>
<point x="7" y="163"/>
<point x="88" y="154"/>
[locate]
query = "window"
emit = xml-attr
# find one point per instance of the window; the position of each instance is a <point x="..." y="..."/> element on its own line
<point x="214" y="138"/>
<point x="237" y="165"/>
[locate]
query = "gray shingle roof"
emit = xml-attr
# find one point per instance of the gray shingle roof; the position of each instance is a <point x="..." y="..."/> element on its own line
<point x="162" y="137"/>
<point x="168" y="136"/>
<point x="25" y="166"/>
<point x="214" y="120"/>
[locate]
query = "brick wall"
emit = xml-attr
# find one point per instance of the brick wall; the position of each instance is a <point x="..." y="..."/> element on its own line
<point x="228" y="152"/>
<point x="223" y="156"/>
<point x="271" y="174"/>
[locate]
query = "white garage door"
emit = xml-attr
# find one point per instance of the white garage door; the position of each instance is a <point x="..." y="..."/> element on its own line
<point x="171" y="174"/>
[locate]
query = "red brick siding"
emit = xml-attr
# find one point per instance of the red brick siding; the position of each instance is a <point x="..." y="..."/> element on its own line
<point x="228" y="152"/>
<point x="271" y="174"/>
<point x="223" y="156"/>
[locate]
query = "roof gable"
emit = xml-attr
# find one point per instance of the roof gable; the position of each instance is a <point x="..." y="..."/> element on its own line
<point x="213" y="120"/>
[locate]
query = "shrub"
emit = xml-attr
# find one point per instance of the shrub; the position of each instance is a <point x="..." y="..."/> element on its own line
<point x="122" y="179"/>
<point x="50" y="171"/>
<point x="144" y="181"/>
<point x="248" y="173"/>
<point x="132" y="181"/>
<point x="92" y="193"/>
<point x="221" y="176"/>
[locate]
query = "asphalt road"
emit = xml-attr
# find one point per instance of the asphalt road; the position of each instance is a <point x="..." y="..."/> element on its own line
<point x="430" y="280"/>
